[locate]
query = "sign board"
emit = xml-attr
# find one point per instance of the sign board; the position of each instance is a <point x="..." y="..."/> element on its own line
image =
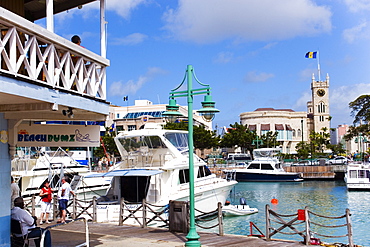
<point x="301" y="214"/>
<point x="53" y="135"/>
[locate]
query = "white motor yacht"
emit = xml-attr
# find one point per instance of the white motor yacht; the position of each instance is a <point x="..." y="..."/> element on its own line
<point x="155" y="167"/>
<point x="265" y="167"/>
<point x="357" y="176"/>
<point x="31" y="169"/>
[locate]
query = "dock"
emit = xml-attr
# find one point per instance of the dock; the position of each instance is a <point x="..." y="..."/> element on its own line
<point x="112" y="235"/>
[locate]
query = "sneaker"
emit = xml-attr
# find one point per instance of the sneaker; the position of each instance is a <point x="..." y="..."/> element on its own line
<point x="41" y="222"/>
<point x="47" y="222"/>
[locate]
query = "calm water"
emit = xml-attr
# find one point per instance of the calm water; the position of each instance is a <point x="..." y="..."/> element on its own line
<point x="329" y="198"/>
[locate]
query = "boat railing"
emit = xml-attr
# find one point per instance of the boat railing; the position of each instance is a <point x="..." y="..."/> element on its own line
<point x="301" y="223"/>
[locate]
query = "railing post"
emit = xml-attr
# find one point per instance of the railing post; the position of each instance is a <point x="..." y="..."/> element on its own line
<point x="220" y="219"/>
<point x="307" y="223"/>
<point x="74" y="205"/>
<point x="55" y="208"/>
<point x="33" y="204"/>
<point x="121" y="210"/>
<point x="94" y="209"/>
<point x="144" y="214"/>
<point x="267" y="222"/>
<point x="349" y="228"/>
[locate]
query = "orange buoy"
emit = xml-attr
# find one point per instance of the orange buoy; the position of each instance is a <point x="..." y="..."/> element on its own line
<point x="274" y="201"/>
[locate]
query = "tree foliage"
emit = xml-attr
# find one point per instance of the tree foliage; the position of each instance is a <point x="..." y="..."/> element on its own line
<point x="360" y="109"/>
<point x="239" y="135"/>
<point x="203" y="139"/>
<point x="109" y="144"/>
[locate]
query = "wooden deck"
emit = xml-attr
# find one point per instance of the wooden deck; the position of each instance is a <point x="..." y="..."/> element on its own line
<point x="105" y="234"/>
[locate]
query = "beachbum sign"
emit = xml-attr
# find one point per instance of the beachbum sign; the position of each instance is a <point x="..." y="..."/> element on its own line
<point x="52" y="135"/>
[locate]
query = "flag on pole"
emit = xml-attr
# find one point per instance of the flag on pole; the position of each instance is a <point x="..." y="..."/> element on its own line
<point x="125" y="98"/>
<point x="311" y="54"/>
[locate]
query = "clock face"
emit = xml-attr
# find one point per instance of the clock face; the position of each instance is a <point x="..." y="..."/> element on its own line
<point x="321" y="92"/>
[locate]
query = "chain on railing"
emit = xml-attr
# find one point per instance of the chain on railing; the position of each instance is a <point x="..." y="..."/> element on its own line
<point x="48" y="59"/>
<point x="217" y="214"/>
<point x="303" y="217"/>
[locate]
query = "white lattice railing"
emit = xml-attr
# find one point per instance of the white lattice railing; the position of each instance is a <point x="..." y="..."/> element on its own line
<point x="32" y="52"/>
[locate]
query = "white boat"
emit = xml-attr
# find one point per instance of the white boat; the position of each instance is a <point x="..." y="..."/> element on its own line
<point x="265" y="167"/>
<point x="238" y="210"/>
<point x="357" y="176"/>
<point x="32" y="169"/>
<point x="155" y="167"/>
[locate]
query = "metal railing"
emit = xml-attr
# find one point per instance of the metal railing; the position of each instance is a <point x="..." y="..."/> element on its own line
<point x="303" y="217"/>
<point x="31" y="52"/>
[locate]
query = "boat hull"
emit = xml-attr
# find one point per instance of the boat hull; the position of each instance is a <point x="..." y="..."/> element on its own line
<point x="267" y="177"/>
<point x="238" y="210"/>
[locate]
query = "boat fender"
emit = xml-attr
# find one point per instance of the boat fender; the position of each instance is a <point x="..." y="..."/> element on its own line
<point x="227" y="203"/>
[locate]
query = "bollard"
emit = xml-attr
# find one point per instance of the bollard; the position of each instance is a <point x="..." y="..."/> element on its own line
<point x="220" y="219"/>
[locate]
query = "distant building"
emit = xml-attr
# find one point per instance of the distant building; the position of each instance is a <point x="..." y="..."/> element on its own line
<point x="136" y="116"/>
<point x="293" y="127"/>
<point x="290" y="125"/>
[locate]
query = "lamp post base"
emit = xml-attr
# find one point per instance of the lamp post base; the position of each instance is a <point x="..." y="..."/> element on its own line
<point x="193" y="243"/>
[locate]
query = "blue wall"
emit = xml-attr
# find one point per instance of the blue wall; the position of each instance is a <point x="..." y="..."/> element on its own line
<point x="5" y="167"/>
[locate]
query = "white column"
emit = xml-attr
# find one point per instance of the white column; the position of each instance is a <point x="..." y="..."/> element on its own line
<point x="103" y="34"/>
<point x="50" y="15"/>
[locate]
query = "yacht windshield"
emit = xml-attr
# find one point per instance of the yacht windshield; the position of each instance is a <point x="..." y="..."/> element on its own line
<point x="179" y="140"/>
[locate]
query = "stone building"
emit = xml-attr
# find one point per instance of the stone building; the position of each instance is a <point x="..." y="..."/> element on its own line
<point x="292" y="126"/>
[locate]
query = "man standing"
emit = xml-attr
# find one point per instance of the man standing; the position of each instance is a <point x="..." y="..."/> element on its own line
<point x="28" y="223"/>
<point x="63" y="197"/>
<point x="15" y="191"/>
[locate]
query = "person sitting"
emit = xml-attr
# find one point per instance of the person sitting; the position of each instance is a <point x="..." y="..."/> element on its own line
<point x="28" y="224"/>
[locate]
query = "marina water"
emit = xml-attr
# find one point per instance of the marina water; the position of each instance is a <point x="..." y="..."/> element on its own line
<point x="328" y="198"/>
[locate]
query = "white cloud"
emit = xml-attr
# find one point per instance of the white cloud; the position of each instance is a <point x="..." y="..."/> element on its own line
<point x="302" y="101"/>
<point x="209" y="21"/>
<point x="224" y="57"/>
<point x="357" y="5"/>
<point x="120" y="88"/>
<point x="252" y="76"/>
<point x="132" y="39"/>
<point x="359" y="31"/>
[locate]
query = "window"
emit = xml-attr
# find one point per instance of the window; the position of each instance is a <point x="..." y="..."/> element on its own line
<point x="203" y="172"/>
<point x="117" y="115"/>
<point x="131" y="127"/>
<point x="321" y="107"/>
<point x="293" y="133"/>
<point x="184" y="176"/>
<point x="254" y="166"/>
<point x="321" y="118"/>
<point x="299" y="133"/>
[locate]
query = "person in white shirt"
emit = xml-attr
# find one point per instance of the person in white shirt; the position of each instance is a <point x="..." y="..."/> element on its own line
<point x="28" y="223"/>
<point x="63" y="197"/>
<point x="15" y="191"/>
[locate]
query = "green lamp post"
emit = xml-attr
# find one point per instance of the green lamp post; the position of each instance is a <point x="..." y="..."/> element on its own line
<point x="208" y="111"/>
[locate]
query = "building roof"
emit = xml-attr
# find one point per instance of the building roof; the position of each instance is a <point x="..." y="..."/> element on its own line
<point x="272" y="109"/>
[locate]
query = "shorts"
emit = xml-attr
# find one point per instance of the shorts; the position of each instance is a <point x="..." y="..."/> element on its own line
<point x="45" y="207"/>
<point x="63" y="204"/>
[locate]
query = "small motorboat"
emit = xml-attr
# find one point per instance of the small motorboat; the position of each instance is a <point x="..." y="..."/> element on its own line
<point x="238" y="210"/>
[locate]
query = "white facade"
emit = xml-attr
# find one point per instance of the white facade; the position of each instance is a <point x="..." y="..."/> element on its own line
<point x="144" y="111"/>
<point x="290" y="125"/>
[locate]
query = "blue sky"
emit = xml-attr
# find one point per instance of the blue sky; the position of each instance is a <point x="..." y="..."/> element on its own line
<point x="252" y="53"/>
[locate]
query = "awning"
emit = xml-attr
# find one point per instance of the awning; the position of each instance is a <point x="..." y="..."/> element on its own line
<point x="279" y="127"/>
<point x="288" y="127"/>
<point x="127" y="173"/>
<point x="252" y="127"/>
<point x="265" y="126"/>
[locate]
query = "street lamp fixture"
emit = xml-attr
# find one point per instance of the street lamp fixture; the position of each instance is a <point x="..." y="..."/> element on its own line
<point x="208" y="111"/>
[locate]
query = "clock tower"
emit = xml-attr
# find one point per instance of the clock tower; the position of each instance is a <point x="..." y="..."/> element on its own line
<point x="318" y="109"/>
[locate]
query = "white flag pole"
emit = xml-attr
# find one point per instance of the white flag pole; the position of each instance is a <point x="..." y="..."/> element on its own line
<point x="318" y="65"/>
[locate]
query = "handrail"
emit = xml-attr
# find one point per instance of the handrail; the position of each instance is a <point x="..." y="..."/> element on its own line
<point x="304" y="217"/>
<point x="87" y="241"/>
<point x="31" y="52"/>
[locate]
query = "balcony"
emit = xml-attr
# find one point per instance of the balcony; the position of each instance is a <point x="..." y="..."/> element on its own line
<point x="31" y="53"/>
